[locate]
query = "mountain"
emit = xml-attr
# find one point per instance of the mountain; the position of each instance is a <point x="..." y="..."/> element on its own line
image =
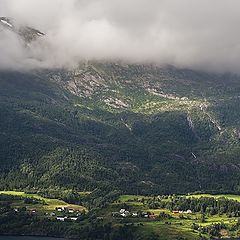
<point x="27" y="33"/>
<point x="136" y="128"/>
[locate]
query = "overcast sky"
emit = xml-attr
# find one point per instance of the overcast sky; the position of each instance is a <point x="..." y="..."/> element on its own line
<point x="199" y="34"/>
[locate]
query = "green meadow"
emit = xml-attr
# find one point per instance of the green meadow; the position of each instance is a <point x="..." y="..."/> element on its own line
<point x="50" y="204"/>
<point x="174" y="225"/>
<point x="229" y="196"/>
<point x="179" y="226"/>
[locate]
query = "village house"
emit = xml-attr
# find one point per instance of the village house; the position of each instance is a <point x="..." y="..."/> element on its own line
<point x="121" y="213"/>
<point x="125" y="214"/>
<point x="62" y="219"/>
<point x="70" y="210"/>
<point x="33" y="211"/>
<point x="122" y="210"/>
<point x="144" y="214"/>
<point x="59" y="209"/>
<point x="134" y="214"/>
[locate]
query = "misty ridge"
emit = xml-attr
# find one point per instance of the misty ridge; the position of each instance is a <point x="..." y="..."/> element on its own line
<point x="200" y="35"/>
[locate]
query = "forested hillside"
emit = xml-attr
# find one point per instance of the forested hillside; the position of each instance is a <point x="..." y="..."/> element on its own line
<point x="134" y="128"/>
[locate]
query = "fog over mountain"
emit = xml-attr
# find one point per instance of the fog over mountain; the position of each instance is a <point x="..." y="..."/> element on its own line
<point x="193" y="34"/>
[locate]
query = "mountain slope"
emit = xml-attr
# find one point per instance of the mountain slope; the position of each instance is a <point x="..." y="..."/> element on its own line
<point x="27" y="33"/>
<point x="138" y="128"/>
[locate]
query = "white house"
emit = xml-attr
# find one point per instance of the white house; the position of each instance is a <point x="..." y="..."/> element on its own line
<point x="70" y="210"/>
<point x="122" y="210"/>
<point x="62" y="219"/>
<point x="123" y="214"/>
<point x="59" y="209"/>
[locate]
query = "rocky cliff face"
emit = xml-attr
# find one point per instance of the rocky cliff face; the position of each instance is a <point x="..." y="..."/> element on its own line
<point x="27" y="33"/>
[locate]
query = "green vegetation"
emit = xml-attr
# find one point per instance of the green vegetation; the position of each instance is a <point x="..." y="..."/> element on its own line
<point x="145" y="130"/>
<point x="127" y="217"/>
<point x="82" y="138"/>
<point x="228" y="196"/>
<point x="49" y="204"/>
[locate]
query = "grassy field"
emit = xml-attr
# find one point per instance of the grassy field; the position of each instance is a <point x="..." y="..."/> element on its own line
<point x="229" y="196"/>
<point x="51" y="204"/>
<point x="180" y="225"/>
<point x="166" y="231"/>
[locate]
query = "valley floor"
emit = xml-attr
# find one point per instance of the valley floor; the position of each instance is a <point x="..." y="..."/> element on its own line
<point x="127" y="217"/>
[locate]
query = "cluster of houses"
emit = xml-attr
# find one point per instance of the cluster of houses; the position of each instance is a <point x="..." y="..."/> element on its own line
<point x="67" y="210"/>
<point x="124" y="213"/>
<point x="65" y="218"/>
<point x="31" y="211"/>
<point x="180" y="212"/>
<point x="66" y="214"/>
<point x="60" y="214"/>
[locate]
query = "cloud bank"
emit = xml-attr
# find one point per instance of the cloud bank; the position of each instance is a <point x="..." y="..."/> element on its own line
<point x="199" y="34"/>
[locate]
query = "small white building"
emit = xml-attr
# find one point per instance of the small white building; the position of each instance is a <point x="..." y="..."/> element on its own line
<point x="59" y="209"/>
<point x="62" y="219"/>
<point x="122" y="210"/>
<point x="123" y="214"/>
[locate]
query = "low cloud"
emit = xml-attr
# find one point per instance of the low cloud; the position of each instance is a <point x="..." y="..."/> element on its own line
<point x="198" y="34"/>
